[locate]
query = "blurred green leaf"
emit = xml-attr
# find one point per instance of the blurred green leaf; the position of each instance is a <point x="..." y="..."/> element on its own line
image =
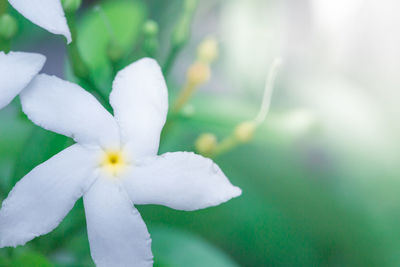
<point x="30" y="259"/>
<point x="4" y="262"/>
<point x="39" y="147"/>
<point x="13" y="133"/>
<point x="118" y="23"/>
<point x="177" y="248"/>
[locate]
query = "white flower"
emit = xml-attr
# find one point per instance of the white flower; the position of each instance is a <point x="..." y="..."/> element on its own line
<point x="17" y="69"/>
<point x="113" y="165"/>
<point x="47" y="14"/>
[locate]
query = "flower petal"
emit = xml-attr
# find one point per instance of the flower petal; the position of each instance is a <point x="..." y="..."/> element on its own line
<point x="140" y="101"/>
<point x="180" y="180"/>
<point x="47" y="14"/>
<point x="40" y="200"/>
<point x="17" y="69"/>
<point x="66" y="108"/>
<point x="117" y="233"/>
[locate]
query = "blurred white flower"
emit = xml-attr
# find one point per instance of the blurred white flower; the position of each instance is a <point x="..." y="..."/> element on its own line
<point x="47" y="14"/>
<point x="349" y="117"/>
<point x="113" y="165"/>
<point x="296" y="122"/>
<point x="252" y="34"/>
<point x="334" y="24"/>
<point x="17" y="69"/>
<point x="347" y="74"/>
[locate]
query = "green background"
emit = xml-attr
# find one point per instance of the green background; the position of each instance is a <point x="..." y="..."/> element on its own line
<point x="308" y="199"/>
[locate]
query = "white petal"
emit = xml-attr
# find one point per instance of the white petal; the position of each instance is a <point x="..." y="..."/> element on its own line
<point x="117" y="234"/>
<point x="17" y="69"/>
<point x="67" y="109"/>
<point x="47" y="14"/>
<point x="40" y="200"/>
<point x="140" y="102"/>
<point x="180" y="180"/>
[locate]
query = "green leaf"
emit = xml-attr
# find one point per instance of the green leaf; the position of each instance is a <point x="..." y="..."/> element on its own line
<point x="177" y="248"/>
<point x="4" y="262"/>
<point x="118" y="22"/>
<point x="40" y="146"/>
<point x="13" y="133"/>
<point x="30" y="259"/>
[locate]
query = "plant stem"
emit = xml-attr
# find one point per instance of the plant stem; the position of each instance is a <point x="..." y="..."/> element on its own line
<point x="184" y="96"/>
<point x="227" y="144"/>
<point x="172" y="55"/>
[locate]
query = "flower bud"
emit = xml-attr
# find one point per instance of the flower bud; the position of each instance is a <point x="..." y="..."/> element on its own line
<point x="207" y="51"/>
<point x="150" y="28"/>
<point x="8" y="27"/>
<point x="244" y="132"/>
<point x="150" y="42"/>
<point x="71" y="6"/>
<point x="198" y="73"/>
<point x="206" y="144"/>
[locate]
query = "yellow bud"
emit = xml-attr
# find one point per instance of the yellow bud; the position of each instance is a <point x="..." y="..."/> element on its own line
<point x="207" y="51"/>
<point x="198" y="73"/>
<point x="71" y="6"/>
<point x="244" y="132"/>
<point x="206" y="143"/>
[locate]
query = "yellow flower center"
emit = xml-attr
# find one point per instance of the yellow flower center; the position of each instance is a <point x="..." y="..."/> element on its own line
<point x="113" y="162"/>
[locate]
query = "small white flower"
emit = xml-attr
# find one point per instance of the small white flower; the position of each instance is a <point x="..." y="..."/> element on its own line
<point x="113" y="165"/>
<point x="47" y="14"/>
<point x="17" y="69"/>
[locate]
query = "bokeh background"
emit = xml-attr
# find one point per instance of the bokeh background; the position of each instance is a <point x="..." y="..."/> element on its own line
<point x="320" y="177"/>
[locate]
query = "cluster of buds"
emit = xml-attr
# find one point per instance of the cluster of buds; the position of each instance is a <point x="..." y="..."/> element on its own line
<point x="208" y="145"/>
<point x="207" y="52"/>
<point x="199" y="72"/>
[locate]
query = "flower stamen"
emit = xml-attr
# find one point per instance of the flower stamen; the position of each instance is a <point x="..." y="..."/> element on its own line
<point x="113" y="162"/>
